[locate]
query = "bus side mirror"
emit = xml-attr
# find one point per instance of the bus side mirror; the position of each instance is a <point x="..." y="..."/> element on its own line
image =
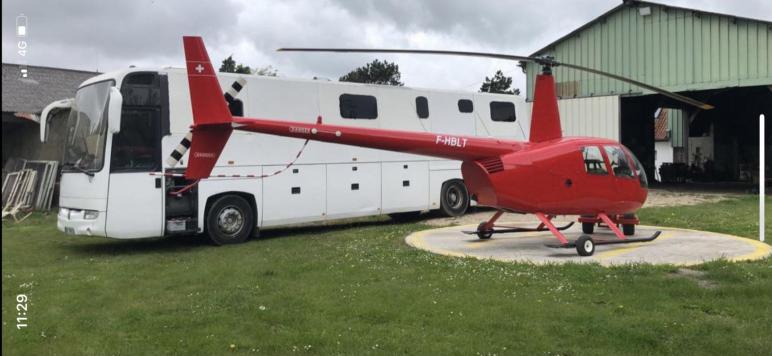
<point x="48" y="113"/>
<point x="114" y="110"/>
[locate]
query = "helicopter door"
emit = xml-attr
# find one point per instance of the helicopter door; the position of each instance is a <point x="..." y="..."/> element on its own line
<point x="622" y="169"/>
<point x="597" y="181"/>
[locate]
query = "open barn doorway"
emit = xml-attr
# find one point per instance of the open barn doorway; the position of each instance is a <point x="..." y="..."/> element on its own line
<point x="718" y="145"/>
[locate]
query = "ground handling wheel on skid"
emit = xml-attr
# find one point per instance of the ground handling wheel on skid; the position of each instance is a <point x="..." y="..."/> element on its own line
<point x="585" y="246"/>
<point x="588" y="228"/>
<point x="483" y="232"/>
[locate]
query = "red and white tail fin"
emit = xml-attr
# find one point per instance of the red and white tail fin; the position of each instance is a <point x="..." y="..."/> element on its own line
<point x="212" y="120"/>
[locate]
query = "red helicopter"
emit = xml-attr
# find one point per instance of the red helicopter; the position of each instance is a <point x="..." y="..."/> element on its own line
<point x="598" y="179"/>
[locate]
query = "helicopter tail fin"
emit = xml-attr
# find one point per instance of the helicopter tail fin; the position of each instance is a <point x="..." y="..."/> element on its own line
<point x="212" y="120"/>
<point x="545" y="116"/>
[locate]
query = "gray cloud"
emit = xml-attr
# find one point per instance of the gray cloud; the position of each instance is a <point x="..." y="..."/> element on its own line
<point x="110" y="35"/>
<point x="86" y="34"/>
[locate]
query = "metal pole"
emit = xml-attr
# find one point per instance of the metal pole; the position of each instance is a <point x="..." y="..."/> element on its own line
<point x="762" y="179"/>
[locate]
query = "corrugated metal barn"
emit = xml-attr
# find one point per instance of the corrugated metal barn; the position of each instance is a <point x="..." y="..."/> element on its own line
<point x="720" y="59"/>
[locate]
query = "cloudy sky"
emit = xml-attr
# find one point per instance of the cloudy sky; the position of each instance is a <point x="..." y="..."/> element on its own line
<point x="109" y="35"/>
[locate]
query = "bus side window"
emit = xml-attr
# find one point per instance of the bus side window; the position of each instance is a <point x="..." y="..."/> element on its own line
<point x="136" y="148"/>
<point x="503" y="111"/>
<point x="593" y="160"/>
<point x="422" y="107"/>
<point x="619" y="163"/>
<point x="354" y="106"/>
<point x="465" y="106"/>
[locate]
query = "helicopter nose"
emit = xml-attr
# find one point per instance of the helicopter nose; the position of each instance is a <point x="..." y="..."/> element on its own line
<point x="644" y="194"/>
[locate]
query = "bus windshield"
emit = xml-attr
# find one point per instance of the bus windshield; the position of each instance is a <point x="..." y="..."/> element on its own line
<point x="87" y="129"/>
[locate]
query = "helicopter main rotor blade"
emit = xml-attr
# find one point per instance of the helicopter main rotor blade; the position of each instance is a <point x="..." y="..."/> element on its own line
<point x="540" y="60"/>
<point x="664" y="92"/>
<point x="413" y="51"/>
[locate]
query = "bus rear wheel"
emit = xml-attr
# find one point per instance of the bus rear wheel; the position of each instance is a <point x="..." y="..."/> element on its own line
<point x="229" y="220"/>
<point x="454" y="198"/>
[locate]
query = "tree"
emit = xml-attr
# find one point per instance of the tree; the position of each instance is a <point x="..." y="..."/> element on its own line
<point x="375" y="72"/>
<point x="498" y="84"/>
<point x="230" y="66"/>
<point x="268" y="71"/>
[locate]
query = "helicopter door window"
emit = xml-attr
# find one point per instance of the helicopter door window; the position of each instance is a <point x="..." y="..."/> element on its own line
<point x="593" y="161"/>
<point x="619" y="163"/>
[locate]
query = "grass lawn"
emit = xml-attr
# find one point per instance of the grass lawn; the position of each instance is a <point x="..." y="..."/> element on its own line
<point x="359" y="289"/>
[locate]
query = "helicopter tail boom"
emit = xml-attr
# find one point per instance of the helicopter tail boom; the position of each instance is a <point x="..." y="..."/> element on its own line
<point x="213" y="124"/>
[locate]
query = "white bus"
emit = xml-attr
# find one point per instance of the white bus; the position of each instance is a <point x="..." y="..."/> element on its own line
<point x="123" y="125"/>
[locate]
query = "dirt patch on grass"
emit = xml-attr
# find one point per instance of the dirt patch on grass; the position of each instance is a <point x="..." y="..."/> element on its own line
<point x="696" y="276"/>
<point x="659" y="198"/>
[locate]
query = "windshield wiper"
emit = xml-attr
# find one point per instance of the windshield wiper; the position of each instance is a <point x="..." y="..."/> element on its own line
<point x="79" y="169"/>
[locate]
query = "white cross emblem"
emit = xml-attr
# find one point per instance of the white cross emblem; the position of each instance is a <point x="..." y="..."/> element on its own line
<point x="199" y="68"/>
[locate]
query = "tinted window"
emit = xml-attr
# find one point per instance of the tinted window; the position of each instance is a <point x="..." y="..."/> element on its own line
<point x="422" y="107"/>
<point x="593" y="160"/>
<point x="141" y="89"/>
<point x="619" y="163"/>
<point x="502" y="111"/>
<point x="358" y="106"/>
<point x="136" y="147"/>
<point x="465" y="105"/>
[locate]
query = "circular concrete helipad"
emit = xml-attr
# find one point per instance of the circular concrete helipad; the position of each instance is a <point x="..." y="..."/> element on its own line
<point x="674" y="246"/>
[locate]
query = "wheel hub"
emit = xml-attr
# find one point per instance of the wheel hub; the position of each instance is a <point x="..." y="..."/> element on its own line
<point x="454" y="198"/>
<point x="230" y="220"/>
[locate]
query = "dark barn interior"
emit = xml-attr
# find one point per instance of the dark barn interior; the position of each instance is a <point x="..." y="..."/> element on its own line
<point x="734" y="124"/>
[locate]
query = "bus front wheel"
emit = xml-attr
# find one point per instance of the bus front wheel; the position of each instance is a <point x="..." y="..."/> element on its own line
<point x="229" y="220"/>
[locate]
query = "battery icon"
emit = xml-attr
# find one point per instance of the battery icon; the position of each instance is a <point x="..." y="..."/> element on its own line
<point x="21" y="25"/>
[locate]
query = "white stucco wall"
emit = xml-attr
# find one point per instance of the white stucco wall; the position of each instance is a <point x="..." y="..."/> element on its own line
<point x="664" y="151"/>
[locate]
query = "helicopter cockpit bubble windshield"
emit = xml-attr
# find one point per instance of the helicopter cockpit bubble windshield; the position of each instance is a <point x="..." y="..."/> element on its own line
<point x="624" y="164"/>
<point x="640" y="172"/>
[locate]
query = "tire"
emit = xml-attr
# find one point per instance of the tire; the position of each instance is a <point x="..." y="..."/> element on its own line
<point x="588" y="228"/>
<point x="454" y="198"/>
<point x="628" y="229"/>
<point x="585" y="246"/>
<point x="229" y="220"/>
<point x="482" y="232"/>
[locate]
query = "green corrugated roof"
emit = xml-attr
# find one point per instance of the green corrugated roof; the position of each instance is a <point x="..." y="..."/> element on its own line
<point x="676" y="48"/>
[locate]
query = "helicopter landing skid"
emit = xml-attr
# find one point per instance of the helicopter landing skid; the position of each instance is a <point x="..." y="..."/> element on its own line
<point x="505" y="229"/>
<point x="585" y="245"/>
<point x="573" y="244"/>
<point x="486" y="229"/>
